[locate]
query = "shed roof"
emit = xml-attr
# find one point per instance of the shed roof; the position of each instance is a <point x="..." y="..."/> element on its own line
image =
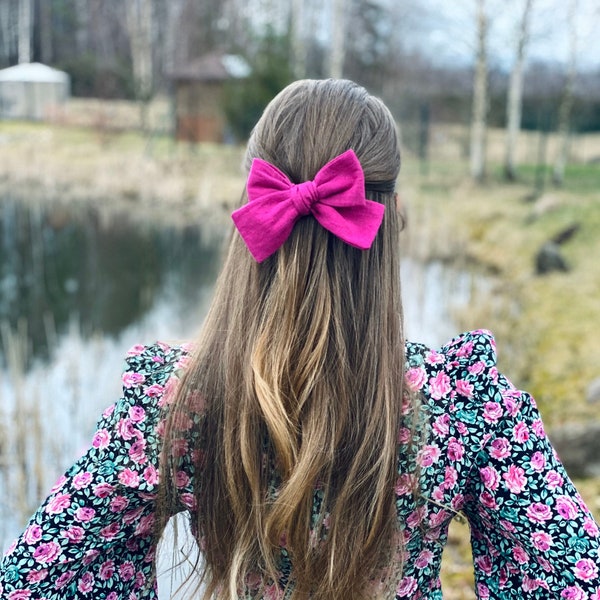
<point x="213" y="67"/>
<point x="34" y="72"/>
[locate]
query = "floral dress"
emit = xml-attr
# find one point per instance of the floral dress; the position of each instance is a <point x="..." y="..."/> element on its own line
<point x="485" y="456"/>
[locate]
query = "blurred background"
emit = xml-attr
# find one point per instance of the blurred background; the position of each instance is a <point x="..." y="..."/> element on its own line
<point x="122" y="129"/>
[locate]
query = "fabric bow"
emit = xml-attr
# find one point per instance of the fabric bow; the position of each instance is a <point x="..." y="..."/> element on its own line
<point x="336" y="199"/>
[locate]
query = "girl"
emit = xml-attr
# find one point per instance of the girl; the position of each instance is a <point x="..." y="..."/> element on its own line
<point x="316" y="453"/>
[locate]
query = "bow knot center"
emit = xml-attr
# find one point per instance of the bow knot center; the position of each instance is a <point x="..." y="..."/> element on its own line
<point x="305" y="196"/>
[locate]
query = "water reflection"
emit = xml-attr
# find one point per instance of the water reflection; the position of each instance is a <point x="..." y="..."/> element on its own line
<point x="55" y="264"/>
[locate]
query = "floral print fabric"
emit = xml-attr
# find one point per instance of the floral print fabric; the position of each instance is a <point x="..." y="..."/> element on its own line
<point x="482" y="453"/>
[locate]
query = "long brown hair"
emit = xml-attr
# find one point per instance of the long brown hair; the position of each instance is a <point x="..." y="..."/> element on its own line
<point x="299" y="371"/>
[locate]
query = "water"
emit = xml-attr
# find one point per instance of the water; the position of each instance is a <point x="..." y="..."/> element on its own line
<point x="77" y="289"/>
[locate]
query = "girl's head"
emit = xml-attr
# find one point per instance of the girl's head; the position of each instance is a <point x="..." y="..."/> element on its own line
<point x="312" y="121"/>
<point x="300" y="363"/>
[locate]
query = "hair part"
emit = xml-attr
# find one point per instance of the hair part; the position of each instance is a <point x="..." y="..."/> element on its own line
<point x="300" y="362"/>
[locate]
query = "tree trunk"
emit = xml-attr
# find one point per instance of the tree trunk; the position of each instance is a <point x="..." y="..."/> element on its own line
<point x="298" y="39"/>
<point x="45" y="15"/>
<point x="25" y="29"/>
<point x="338" y="33"/>
<point x="515" y="94"/>
<point x="480" y="90"/>
<point x="139" y="25"/>
<point x="566" y="104"/>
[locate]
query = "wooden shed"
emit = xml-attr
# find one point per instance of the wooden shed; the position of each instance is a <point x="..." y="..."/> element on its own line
<point x="199" y="89"/>
<point x="32" y="91"/>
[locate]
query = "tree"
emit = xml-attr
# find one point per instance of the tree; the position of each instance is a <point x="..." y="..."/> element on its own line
<point x="140" y="28"/>
<point x="515" y="93"/>
<point x="335" y="66"/>
<point x="25" y="29"/>
<point x="480" y="97"/>
<point x="566" y="104"/>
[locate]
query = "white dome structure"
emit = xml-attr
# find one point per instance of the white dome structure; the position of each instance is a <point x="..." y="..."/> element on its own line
<point x="32" y="91"/>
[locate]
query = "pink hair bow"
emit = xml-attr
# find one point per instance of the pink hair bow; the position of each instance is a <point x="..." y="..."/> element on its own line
<point x="336" y="199"/>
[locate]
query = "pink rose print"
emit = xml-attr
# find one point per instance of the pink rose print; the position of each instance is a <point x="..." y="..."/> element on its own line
<point x="434" y="358"/>
<point x="86" y="583"/>
<point x="129" y="478"/>
<point x="131" y="380"/>
<point x="137" y="452"/>
<point x="58" y="504"/>
<point x="126" y="429"/>
<point x="476" y="368"/>
<point x="415" y="378"/>
<point x="542" y="540"/>
<point x="441" y="425"/>
<point x="484" y="563"/>
<point x="538" y="461"/>
<point x="181" y="479"/>
<point x="101" y="439"/>
<point x="136" y="350"/>
<point x="37" y="575"/>
<point x="573" y="592"/>
<point x="566" y="508"/>
<point x="110" y="531"/>
<point x="74" y="534"/>
<point x="488" y="500"/>
<point x="439" y="386"/>
<point x="483" y="592"/>
<point x="137" y="414"/>
<point x="112" y="596"/>
<point x="150" y="475"/>
<point x="465" y="350"/>
<point x="154" y="390"/>
<point x="500" y="448"/>
<point x="46" y="553"/>
<point x="119" y="504"/>
<point x="272" y="592"/>
<point x="404" y="484"/>
<point x="489" y="477"/>
<point x="61" y="481"/>
<point x="450" y="477"/>
<point x="33" y="534"/>
<point x="428" y="455"/>
<point x="145" y="525"/>
<point x="406" y="587"/>
<point x="103" y="490"/>
<point x="82" y="480"/>
<point x="127" y="571"/>
<point x="107" y="570"/>
<point x="85" y="514"/>
<point x="554" y="480"/>
<point x="520" y="555"/>
<point x="455" y="449"/>
<point x="515" y="479"/>
<point x="586" y="569"/>
<point x="464" y="388"/>
<point x="133" y="515"/>
<point x="538" y="512"/>
<point x="492" y="411"/>
<point x="403" y="435"/>
<point x="590" y="527"/>
<point x="520" y="432"/>
<point x="64" y="579"/>
<point x="425" y="558"/>
<point x="188" y="500"/>
<point x="19" y="595"/>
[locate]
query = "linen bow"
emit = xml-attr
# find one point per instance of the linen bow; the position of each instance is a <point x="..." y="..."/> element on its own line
<point x="335" y="198"/>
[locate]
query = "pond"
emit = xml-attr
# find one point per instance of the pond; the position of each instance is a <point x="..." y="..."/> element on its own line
<point x="77" y="289"/>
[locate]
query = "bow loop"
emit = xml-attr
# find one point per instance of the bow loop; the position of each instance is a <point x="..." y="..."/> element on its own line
<point x="335" y="198"/>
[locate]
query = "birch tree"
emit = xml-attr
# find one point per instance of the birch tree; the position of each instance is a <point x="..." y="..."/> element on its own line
<point x="25" y="29"/>
<point x="515" y="93"/>
<point x="480" y="97"/>
<point x="566" y="104"/>
<point x="140" y="28"/>
<point x="335" y="66"/>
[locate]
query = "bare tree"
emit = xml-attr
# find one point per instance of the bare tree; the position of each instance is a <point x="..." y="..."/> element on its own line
<point x="480" y="97"/>
<point x="25" y="29"/>
<point x="298" y="38"/>
<point x="336" y="57"/>
<point x="515" y="93"/>
<point x="45" y="26"/>
<point x="566" y="104"/>
<point x="140" y="28"/>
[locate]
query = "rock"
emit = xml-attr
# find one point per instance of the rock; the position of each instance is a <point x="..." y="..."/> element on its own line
<point x="549" y="258"/>
<point x="578" y="446"/>
<point x="593" y="391"/>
